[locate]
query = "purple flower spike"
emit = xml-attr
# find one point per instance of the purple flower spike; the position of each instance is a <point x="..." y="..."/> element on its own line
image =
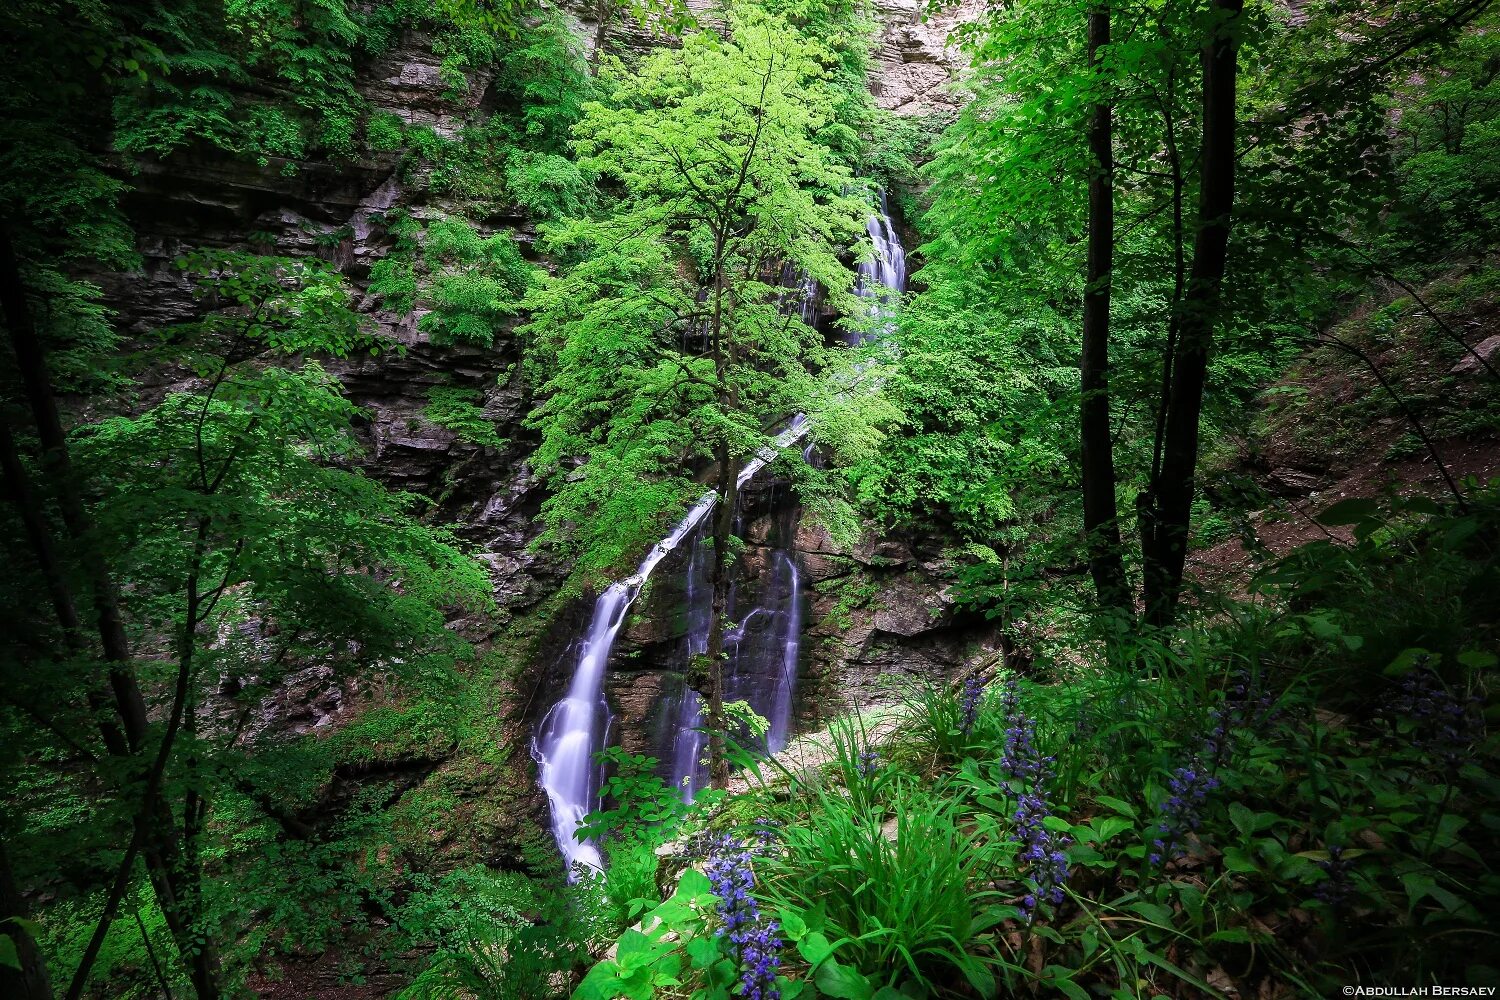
<point x="1181" y="811"/>
<point x="1041" y="855"/>
<point x="1334" y="891"/>
<point x="756" y="943"/>
<point x="969" y="706"/>
<point x="1445" y="725"/>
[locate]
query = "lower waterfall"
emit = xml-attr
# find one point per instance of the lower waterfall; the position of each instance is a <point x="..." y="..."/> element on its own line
<point x="763" y="644"/>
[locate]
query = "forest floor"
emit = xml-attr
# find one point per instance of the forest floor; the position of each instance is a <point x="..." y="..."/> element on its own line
<point x="1290" y="522"/>
<point x="1333" y="429"/>
<point x="810" y="752"/>
<point x="326" y="977"/>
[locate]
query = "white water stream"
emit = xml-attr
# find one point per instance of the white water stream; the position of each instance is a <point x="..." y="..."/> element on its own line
<point x="577" y="726"/>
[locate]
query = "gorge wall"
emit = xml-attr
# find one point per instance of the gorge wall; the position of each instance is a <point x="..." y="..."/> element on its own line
<point x="878" y="611"/>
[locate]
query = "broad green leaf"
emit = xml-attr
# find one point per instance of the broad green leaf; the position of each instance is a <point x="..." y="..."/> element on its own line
<point x="842" y="982"/>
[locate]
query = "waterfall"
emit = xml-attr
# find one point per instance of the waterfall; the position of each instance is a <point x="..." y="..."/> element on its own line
<point x="762" y="650"/>
<point x="687" y="711"/>
<point x="577" y="726"/>
<point x="886" y="272"/>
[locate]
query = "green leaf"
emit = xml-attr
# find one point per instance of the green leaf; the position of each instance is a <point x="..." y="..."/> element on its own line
<point x="1353" y="510"/>
<point x="792" y="925"/>
<point x="1242" y="817"/>
<point x="634" y="950"/>
<point x="601" y="983"/>
<point x="1118" y="805"/>
<point x="8" y="955"/>
<point x="1418" y="885"/>
<point x="1155" y="912"/>
<point x="1478" y="659"/>
<point x="1405" y="661"/>
<point x="703" y="950"/>
<point x="814" y="947"/>
<point x="1061" y="979"/>
<point x="842" y="982"/>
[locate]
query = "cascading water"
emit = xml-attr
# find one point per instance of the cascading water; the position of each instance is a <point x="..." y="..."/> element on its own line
<point x="885" y="273"/>
<point x="762" y="650"/>
<point x="577" y="726"/>
<point x="762" y="667"/>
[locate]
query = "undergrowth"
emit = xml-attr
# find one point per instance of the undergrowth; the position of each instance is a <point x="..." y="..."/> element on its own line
<point x="1293" y="794"/>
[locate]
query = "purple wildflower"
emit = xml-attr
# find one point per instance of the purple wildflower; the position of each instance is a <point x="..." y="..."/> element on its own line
<point x="869" y="763"/>
<point x="766" y="831"/>
<point x="1444" y="724"/>
<point x="1334" y="891"/>
<point x="1041" y="853"/>
<point x="732" y="879"/>
<point x="969" y="706"/>
<point x="1181" y="811"/>
<point x="754" y="942"/>
<point x="760" y="957"/>
<point x="1041" y="856"/>
<point x="1246" y="706"/>
<point x="1021" y="760"/>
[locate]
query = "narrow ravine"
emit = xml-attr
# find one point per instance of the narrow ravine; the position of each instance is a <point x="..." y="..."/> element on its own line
<point x="763" y="644"/>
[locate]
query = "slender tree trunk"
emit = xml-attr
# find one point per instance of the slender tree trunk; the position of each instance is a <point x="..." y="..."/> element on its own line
<point x="155" y="836"/>
<point x="31" y="360"/>
<point x="1100" y="518"/>
<point x="28" y="508"/>
<point x="1164" y="543"/>
<point x="29" y="982"/>
<point x="723" y="515"/>
<point x="605" y="12"/>
<point x="1145" y="502"/>
<point x="723" y="529"/>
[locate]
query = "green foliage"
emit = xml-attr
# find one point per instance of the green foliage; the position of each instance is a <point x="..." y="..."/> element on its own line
<point x="476" y="282"/>
<point x="457" y="410"/>
<point x="906" y="899"/>
<point x="498" y="935"/>
<point x="645" y="813"/>
<point x="634" y="381"/>
<point x="548" y="186"/>
<point x="1346" y="817"/>
<point x="466" y="285"/>
<point x="384" y="131"/>
<point x="545" y="77"/>
<point x="232" y="528"/>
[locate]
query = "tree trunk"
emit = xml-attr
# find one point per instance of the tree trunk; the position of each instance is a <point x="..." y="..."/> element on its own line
<point x="29" y="982"/>
<point x="605" y="12"/>
<point x="31" y="360"/>
<point x="158" y="838"/>
<point x="723" y="515"/>
<point x="1100" y="518"/>
<point x="1165" y="536"/>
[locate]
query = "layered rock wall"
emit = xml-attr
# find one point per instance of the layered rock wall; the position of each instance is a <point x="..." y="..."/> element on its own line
<point x="874" y="612"/>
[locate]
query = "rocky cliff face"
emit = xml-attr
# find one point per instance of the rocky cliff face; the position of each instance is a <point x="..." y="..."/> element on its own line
<point x="335" y="211"/>
<point x="877" y="610"/>
<point x="914" y="69"/>
<point x="916" y="64"/>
